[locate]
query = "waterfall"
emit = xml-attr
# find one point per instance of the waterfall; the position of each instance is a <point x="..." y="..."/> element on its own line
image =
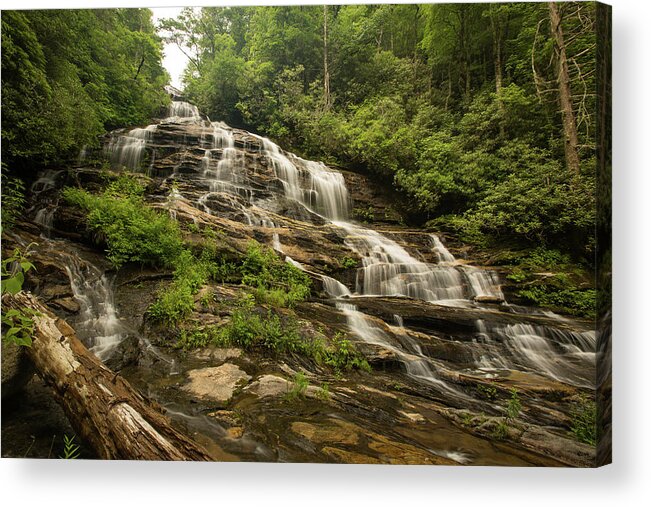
<point x="442" y="253"/>
<point x="180" y="110"/>
<point x="389" y="270"/>
<point x="310" y="183"/>
<point x="44" y="184"/>
<point x="128" y="150"/>
<point x="98" y="327"/>
<point x="417" y="366"/>
<point x="563" y="355"/>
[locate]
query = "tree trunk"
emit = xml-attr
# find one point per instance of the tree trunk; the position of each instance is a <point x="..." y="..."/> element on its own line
<point x="103" y="408"/>
<point x="497" y="29"/>
<point x="326" y="73"/>
<point x="565" y="92"/>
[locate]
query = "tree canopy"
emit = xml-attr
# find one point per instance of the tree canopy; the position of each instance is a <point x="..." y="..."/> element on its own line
<point x="70" y="75"/>
<point x="459" y="104"/>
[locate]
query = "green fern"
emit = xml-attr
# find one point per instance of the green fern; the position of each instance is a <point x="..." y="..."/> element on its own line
<point x="70" y="449"/>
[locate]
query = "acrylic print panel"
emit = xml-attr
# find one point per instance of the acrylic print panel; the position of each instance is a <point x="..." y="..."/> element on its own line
<point x="371" y="234"/>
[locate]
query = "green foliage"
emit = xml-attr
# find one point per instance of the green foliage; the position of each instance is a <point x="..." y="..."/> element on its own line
<point x="13" y="200"/>
<point x="272" y="333"/>
<point x="132" y="231"/>
<point x="514" y="406"/>
<point x="299" y="387"/>
<point x="276" y="281"/>
<point x="364" y="214"/>
<point x="324" y="392"/>
<point x="70" y="448"/>
<point x="173" y="304"/>
<point x="562" y="290"/>
<point x="501" y="430"/>
<point x="487" y="392"/>
<point x="584" y="421"/>
<point x="18" y="323"/>
<point x="13" y="271"/>
<point x="417" y="96"/>
<point x="348" y="263"/>
<point x="67" y="75"/>
<point x="582" y="302"/>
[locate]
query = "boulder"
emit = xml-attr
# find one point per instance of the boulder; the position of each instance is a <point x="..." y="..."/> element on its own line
<point x="215" y="384"/>
<point x="127" y="353"/>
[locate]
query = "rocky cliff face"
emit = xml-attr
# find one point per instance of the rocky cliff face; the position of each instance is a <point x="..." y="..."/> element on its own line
<point x="446" y="349"/>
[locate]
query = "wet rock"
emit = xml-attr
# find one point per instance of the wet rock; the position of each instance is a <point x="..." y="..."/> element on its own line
<point x="70" y="305"/>
<point x="235" y="432"/>
<point x="226" y="417"/>
<point x="349" y="457"/>
<point x="379" y="357"/>
<point x="331" y="432"/>
<point x="488" y="299"/>
<point x="217" y="355"/>
<point x="127" y="353"/>
<point x="400" y="453"/>
<point x="413" y="416"/>
<point x="215" y="384"/>
<point x="56" y="292"/>
<point x="269" y="386"/>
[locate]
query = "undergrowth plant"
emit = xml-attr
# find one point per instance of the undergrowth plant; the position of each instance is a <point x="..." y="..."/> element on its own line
<point x="584" y="421"/>
<point x="18" y="323"/>
<point x="70" y="448"/>
<point x="299" y="387"/>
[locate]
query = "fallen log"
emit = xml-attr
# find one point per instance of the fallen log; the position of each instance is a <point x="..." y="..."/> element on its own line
<point x="102" y="407"/>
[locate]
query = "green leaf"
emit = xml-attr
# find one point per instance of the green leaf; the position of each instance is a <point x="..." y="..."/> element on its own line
<point x="26" y="265"/>
<point x="12" y="331"/>
<point x="14" y="284"/>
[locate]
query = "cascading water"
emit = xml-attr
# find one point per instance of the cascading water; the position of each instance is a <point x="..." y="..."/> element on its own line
<point x="98" y="326"/>
<point x="388" y="269"/>
<point x="46" y="206"/>
<point x="180" y="110"/>
<point x="560" y="354"/>
<point x="127" y="150"/>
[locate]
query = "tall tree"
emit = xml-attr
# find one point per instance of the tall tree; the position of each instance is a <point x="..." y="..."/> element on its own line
<point x="326" y="72"/>
<point x="565" y="91"/>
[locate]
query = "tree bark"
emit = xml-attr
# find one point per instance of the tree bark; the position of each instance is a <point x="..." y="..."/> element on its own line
<point x="326" y="73"/>
<point x="103" y="408"/>
<point x="497" y="28"/>
<point x="565" y="92"/>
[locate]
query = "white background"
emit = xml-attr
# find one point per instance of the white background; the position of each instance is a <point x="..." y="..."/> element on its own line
<point x="625" y="483"/>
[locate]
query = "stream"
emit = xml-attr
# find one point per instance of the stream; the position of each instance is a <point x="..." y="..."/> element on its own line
<point x="226" y="172"/>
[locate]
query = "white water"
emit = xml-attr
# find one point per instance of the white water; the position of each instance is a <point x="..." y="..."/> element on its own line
<point x="315" y="186"/>
<point x="560" y="354"/>
<point x="128" y="150"/>
<point x="388" y="269"/>
<point x="46" y="182"/>
<point x="181" y="111"/>
<point x="98" y="325"/>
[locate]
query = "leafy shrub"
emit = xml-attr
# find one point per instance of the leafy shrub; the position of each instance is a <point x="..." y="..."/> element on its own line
<point x="133" y="232"/>
<point x="173" y="304"/>
<point x="584" y="421"/>
<point x="514" y="406"/>
<point x="582" y="302"/>
<point x="299" y="387"/>
<point x="271" y="333"/>
<point x="348" y="263"/>
<point x="13" y="200"/>
<point x="18" y="323"/>
<point x="276" y="282"/>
